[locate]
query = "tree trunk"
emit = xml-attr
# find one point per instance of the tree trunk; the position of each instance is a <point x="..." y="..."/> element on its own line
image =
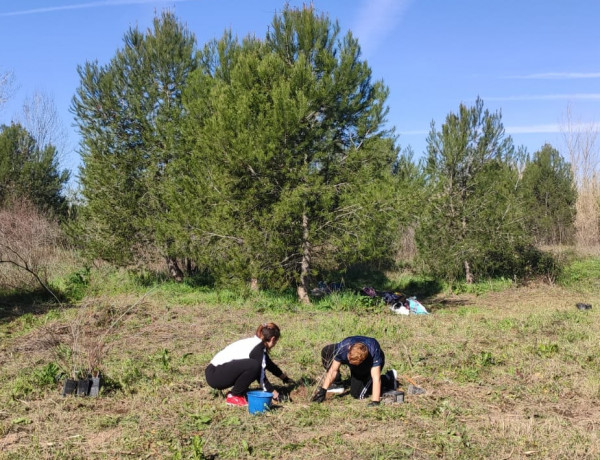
<point x="174" y="270"/>
<point x="302" y="289"/>
<point x="189" y="266"/>
<point x="468" y="274"/>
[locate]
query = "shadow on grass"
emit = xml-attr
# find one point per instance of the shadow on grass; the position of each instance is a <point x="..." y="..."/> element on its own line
<point x="423" y="288"/>
<point x="444" y="304"/>
<point x="360" y="276"/>
<point x="195" y="279"/>
<point x="14" y="305"/>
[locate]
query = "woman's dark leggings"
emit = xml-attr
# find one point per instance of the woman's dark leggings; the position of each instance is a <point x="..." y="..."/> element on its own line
<point x="360" y="376"/>
<point x="239" y="373"/>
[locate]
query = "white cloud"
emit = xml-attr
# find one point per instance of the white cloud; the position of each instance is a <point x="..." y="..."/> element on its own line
<point x="533" y="129"/>
<point x="546" y="97"/>
<point x="549" y="128"/>
<point x="557" y="76"/>
<point x="80" y="6"/>
<point x="376" y="18"/>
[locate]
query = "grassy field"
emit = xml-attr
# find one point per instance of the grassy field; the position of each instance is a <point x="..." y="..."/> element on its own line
<point x="509" y="374"/>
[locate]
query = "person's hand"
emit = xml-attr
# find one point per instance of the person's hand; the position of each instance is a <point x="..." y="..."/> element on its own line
<point x="285" y="379"/>
<point x="373" y="404"/>
<point x="275" y="395"/>
<point x="320" y="396"/>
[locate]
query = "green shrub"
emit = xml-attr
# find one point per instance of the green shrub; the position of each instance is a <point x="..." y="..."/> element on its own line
<point x="77" y="284"/>
<point x="46" y="376"/>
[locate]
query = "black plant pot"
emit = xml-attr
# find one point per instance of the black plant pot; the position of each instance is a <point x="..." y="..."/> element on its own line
<point x="70" y="387"/>
<point x="96" y="383"/>
<point x="83" y="387"/>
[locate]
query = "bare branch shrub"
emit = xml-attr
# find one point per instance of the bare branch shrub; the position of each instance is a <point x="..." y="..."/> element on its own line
<point x="80" y="346"/>
<point x="76" y="346"/>
<point x="41" y="119"/>
<point x="7" y="86"/>
<point x="28" y="241"/>
<point x="581" y="142"/>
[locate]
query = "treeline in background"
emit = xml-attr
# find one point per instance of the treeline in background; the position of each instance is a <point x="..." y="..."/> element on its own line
<point x="266" y="163"/>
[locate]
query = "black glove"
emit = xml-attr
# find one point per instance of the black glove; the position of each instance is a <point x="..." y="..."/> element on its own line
<point x="285" y="379"/>
<point x="373" y="404"/>
<point x="284" y="396"/>
<point x="320" y="396"/>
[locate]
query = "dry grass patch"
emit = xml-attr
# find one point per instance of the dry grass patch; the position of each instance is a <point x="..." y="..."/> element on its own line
<point x="508" y="375"/>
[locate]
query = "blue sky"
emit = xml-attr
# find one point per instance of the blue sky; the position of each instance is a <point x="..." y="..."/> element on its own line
<point x="531" y="59"/>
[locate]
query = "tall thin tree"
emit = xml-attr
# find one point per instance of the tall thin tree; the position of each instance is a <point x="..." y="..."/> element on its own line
<point x="472" y="223"/>
<point x="129" y="115"/>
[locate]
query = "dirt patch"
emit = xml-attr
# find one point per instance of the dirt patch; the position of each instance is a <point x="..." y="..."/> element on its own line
<point x="101" y="440"/>
<point x="11" y="439"/>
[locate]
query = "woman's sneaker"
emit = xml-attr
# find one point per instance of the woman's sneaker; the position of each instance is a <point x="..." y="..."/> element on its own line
<point x="233" y="400"/>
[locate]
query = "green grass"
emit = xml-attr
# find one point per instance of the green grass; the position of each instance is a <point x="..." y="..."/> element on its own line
<point x="582" y="275"/>
<point x="510" y="372"/>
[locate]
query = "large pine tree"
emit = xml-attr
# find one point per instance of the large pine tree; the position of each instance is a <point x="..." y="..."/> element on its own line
<point x="290" y="168"/>
<point x="472" y="223"/>
<point x="129" y="114"/>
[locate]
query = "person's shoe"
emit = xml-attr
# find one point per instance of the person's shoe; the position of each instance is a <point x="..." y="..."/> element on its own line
<point x="392" y="376"/>
<point x="233" y="400"/>
<point x="335" y="388"/>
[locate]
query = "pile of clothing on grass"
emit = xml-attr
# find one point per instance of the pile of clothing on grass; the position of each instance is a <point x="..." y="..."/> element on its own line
<point x="324" y="289"/>
<point x="398" y="302"/>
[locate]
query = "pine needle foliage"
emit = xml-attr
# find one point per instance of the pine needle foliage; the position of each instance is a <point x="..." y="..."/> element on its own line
<point x="290" y="167"/>
<point x="30" y="172"/>
<point x="129" y="113"/>
<point x="473" y="224"/>
<point x="549" y="196"/>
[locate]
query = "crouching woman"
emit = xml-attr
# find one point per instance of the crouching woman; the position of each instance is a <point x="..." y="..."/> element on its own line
<point x="365" y="358"/>
<point x="245" y="361"/>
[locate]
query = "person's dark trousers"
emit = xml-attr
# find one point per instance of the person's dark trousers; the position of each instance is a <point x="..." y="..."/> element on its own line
<point x="239" y="373"/>
<point x="361" y="384"/>
<point x="327" y="355"/>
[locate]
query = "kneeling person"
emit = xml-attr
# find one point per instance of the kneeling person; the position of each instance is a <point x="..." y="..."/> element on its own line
<point x="366" y="359"/>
